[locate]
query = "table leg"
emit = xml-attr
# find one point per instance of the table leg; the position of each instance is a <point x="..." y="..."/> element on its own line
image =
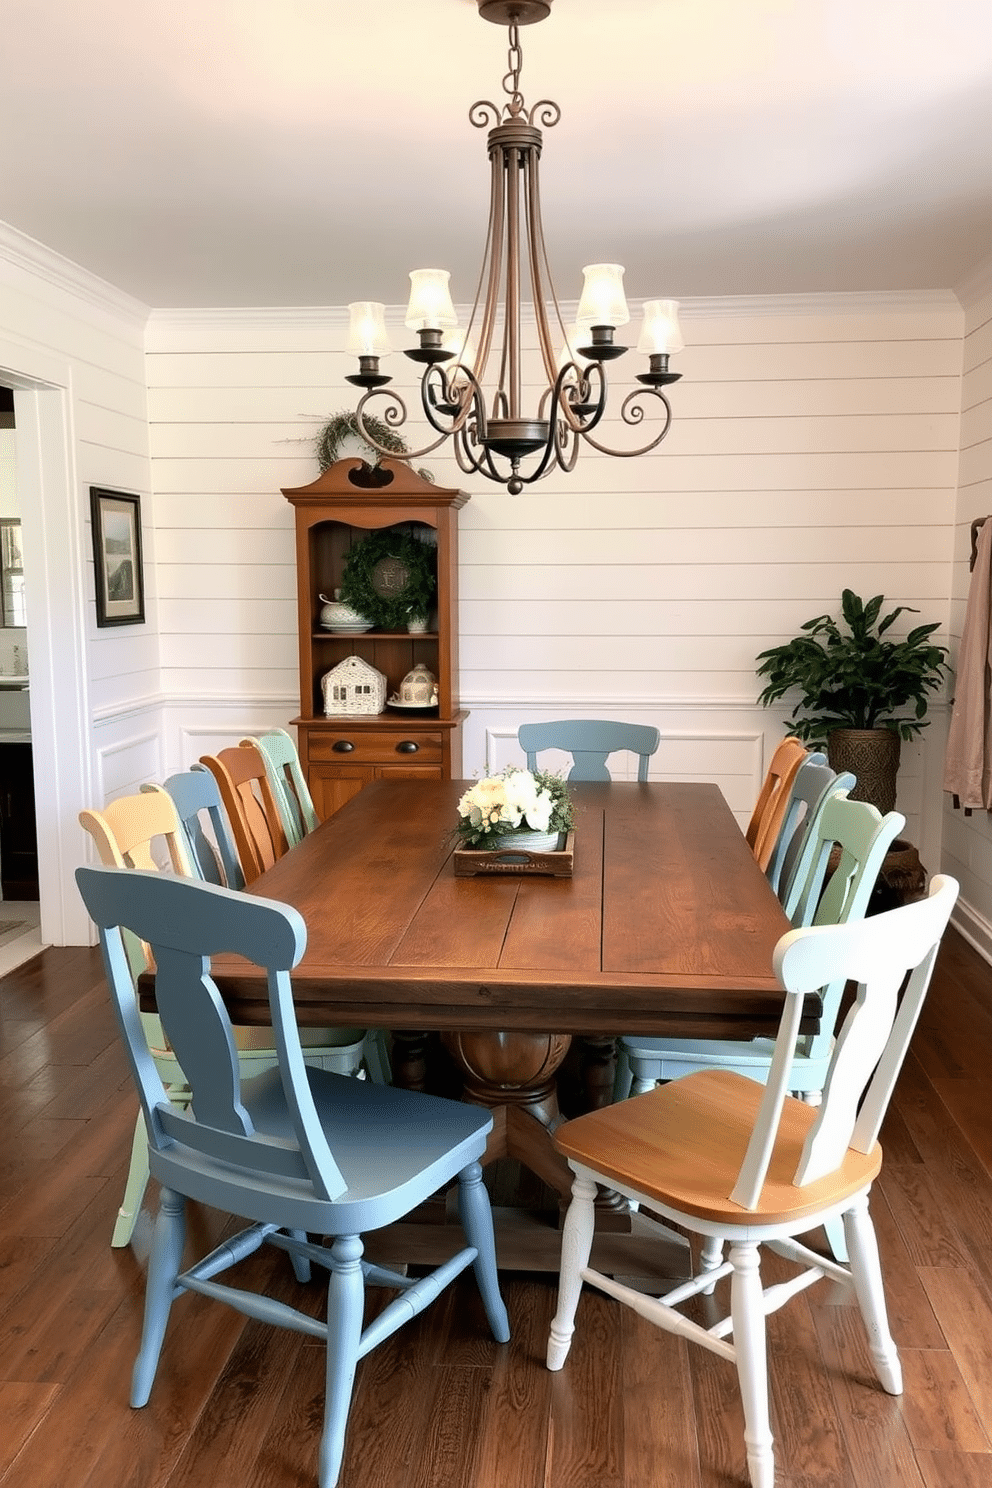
<point x="514" y="1075"/>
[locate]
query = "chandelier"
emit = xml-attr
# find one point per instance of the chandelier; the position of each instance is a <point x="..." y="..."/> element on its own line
<point x="492" y="434"/>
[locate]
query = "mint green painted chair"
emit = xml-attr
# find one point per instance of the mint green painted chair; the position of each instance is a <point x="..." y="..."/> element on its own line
<point x="294" y="1152"/>
<point x="282" y="765"/>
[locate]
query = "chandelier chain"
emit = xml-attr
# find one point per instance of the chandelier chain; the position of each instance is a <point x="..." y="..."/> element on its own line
<point x="511" y="82"/>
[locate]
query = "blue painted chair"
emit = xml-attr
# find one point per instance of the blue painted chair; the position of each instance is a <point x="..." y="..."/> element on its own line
<point x="719" y="1155"/>
<point x="195" y="795"/>
<point x="810" y="789"/>
<point x="589" y="741"/>
<point x="295" y="1152"/>
<point x="804" y="786"/>
<point x="126" y="834"/>
<point x="282" y="764"/>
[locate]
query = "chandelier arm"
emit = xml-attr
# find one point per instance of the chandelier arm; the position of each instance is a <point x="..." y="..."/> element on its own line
<point x="566" y="446"/>
<point x="467" y="461"/>
<point x="583" y="391"/>
<point x="489" y="273"/>
<point x="628" y="403"/>
<point x="539" y="260"/>
<point x="395" y="419"/>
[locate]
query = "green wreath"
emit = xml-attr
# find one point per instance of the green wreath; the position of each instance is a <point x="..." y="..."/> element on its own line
<point x="390" y="607"/>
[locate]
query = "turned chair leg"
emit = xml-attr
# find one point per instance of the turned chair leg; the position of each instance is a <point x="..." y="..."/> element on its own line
<point x="867" y="1275"/>
<point x="164" y="1266"/>
<point x="576" y="1247"/>
<point x="345" y="1311"/>
<point x="477" y="1222"/>
<point x="747" y="1311"/>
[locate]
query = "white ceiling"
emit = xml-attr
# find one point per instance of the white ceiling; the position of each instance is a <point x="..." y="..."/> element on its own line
<point x="309" y="152"/>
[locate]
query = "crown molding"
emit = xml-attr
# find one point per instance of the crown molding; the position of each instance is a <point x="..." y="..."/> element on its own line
<point x="977" y="285"/>
<point x="27" y="254"/>
<point x="846" y="303"/>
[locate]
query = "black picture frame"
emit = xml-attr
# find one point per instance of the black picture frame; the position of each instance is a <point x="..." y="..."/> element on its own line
<point x="117" y="565"/>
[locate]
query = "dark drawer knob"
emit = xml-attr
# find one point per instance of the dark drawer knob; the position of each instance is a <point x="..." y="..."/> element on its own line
<point x="407" y="746"/>
<point x="343" y="746"/>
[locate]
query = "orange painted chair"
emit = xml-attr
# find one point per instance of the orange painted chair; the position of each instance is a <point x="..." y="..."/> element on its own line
<point x="251" y="807"/>
<point x="772" y="805"/>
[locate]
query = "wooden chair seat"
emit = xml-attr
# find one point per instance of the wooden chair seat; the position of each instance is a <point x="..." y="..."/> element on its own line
<point x="644" y="1142"/>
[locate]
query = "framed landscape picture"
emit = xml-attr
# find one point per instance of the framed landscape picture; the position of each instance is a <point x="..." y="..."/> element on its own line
<point x="120" y="583"/>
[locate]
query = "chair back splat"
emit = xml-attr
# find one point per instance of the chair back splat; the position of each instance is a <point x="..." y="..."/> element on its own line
<point x="589" y="741"/>
<point x="724" y="1157"/>
<point x="195" y="792"/>
<point x="293" y="1152"/>
<point x="772" y="804"/>
<point x="251" y="807"/>
<point x="289" y="786"/>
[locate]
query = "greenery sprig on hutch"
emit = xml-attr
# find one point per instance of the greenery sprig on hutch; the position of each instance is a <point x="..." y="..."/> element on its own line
<point x="390" y="610"/>
<point x="857" y="679"/>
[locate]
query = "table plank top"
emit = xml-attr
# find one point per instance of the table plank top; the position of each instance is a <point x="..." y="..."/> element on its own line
<point x="666" y="926"/>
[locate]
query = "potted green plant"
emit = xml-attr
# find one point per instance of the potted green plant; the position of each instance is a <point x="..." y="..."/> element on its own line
<point x="861" y="693"/>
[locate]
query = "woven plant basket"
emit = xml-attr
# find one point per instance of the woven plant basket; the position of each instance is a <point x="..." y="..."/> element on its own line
<point x="873" y="756"/>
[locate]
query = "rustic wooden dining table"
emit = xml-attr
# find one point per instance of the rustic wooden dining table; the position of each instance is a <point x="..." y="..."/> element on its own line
<point x="666" y="926"/>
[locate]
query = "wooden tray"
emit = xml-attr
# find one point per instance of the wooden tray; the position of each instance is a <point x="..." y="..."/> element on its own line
<point x="470" y="862"/>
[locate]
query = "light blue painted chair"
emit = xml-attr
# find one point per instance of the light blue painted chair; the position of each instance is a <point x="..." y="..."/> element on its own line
<point x="282" y="765"/>
<point x="195" y="794"/>
<point x="815" y="782"/>
<point x="805" y="783"/>
<point x="295" y="1151"/>
<point x="589" y="741"/>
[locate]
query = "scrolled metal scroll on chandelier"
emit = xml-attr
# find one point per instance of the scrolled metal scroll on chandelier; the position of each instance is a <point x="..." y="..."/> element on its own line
<point x="573" y="400"/>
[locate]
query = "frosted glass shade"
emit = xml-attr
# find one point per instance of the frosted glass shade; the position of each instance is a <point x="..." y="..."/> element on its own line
<point x="367" y="329"/>
<point x="603" y="302"/>
<point x="430" y="307"/>
<point x="660" y="331"/>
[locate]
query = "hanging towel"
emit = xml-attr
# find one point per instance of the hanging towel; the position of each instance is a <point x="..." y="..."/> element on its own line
<point x="968" y="763"/>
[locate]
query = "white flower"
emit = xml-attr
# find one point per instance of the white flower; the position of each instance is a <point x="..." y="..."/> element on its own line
<point x="539" y="812"/>
<point x="502" y="803"/>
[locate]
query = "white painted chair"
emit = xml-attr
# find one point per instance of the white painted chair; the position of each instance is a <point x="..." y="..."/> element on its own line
<point x="722" y="1156"/>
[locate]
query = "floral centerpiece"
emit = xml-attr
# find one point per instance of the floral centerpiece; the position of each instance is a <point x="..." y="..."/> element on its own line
<point x="506" y="809"/>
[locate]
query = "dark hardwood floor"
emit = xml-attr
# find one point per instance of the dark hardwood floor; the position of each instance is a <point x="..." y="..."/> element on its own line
<point x="440" y="1405"/>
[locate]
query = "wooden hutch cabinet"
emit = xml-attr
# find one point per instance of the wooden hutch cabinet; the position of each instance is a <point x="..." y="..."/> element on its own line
<point x="340" y="754"/>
